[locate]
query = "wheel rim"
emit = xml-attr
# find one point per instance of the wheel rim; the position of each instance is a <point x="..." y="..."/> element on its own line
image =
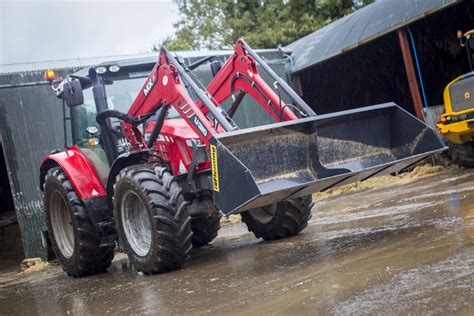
<point x="263" y="214"/>
<point x="61" y="222"/>
<point x="136" y="223"/>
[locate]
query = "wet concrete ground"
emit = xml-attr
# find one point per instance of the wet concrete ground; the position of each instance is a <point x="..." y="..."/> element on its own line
<point x="391" y="250"/>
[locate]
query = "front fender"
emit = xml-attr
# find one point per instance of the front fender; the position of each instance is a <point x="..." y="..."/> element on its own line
<point x="123" y="161"/>
<point x="79" y="170"/>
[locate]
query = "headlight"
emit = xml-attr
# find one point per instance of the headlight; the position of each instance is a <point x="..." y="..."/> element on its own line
<point x="100" y="70"/>
<point x="114" y="68"/>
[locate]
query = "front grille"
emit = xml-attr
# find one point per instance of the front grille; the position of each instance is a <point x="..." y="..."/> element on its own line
<point x="462" y="94"/>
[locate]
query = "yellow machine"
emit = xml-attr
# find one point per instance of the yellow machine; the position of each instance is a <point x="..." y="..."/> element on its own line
<point x="457" y="122"/>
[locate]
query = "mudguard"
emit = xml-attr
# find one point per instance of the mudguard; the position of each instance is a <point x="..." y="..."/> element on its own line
<point x="79" y="170"/>
<point x="123" y="161"/>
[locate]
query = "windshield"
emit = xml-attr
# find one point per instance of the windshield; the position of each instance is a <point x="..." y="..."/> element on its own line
<point x="120" y="96"/>
<point x="122" y="93"/>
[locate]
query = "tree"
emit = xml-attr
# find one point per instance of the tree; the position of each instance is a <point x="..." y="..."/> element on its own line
<point x="216" y="24"/>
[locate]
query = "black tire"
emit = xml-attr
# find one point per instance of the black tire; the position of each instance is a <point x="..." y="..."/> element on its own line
<point x="281" y="220"/>
<point x="160" y="240"/>
<point x="462" y="154"/>
<point x="80" y="249"/>
<point x="205" y="228"/>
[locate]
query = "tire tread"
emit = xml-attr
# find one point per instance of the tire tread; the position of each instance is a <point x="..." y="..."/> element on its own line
<point x="171" y="222"/>
<point x="91" y="255"/>
<point x="291" y="218"/>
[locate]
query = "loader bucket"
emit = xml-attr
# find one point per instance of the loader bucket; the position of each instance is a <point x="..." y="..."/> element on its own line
<point x="264" y="165"/>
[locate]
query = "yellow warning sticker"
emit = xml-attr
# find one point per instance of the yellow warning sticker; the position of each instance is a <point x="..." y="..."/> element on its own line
<point x="467" y="95"/>
<point x="215" y="171"/>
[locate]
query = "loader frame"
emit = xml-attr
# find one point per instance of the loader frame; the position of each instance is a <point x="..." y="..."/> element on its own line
<point x="163" y="88"/>
<point x="170" y="85"/>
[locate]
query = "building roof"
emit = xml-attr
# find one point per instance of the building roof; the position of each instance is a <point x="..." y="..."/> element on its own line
<point x="63" y="63"/>
<point x="362" y="26"/>
<point x="122" y="59"/>
<point x="92" y="61"/>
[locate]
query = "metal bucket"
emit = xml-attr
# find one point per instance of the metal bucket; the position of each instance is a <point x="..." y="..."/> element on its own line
<point x="264" y="165"/>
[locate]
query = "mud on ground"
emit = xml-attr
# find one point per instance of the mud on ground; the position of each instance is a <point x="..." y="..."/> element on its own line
<point x="397" y="247"/>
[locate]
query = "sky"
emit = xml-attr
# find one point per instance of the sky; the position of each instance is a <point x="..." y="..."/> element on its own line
<point x="42" y="30"/>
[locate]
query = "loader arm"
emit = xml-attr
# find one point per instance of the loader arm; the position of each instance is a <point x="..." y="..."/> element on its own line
<point x="163" y="87"/>
<point x="239" y="75"/>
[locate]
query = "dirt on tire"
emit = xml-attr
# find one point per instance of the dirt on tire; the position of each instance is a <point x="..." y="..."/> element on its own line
<point x="462" y="154"/>
<point x="162" y="197"/>
<point x="90" y="255"/>
<point x="205" y="228"/>
<point x="290" y="218"/>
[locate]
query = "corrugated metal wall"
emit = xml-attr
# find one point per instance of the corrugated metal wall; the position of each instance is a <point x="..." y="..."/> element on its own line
<point x="31" y="125"/>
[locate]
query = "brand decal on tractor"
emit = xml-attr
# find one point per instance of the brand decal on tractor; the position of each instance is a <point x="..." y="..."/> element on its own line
<point x="215" y="170"/>
<point x="149" y="85"/>
<point x="467" y="95"/>
<point x="199" y="125"/>
<point x="123" y="145"/>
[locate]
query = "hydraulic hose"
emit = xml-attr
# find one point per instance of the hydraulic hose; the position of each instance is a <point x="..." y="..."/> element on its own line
<point x="104" y="115"/>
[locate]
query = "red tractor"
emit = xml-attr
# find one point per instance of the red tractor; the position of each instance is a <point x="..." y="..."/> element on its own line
<point x="158" y="174"/>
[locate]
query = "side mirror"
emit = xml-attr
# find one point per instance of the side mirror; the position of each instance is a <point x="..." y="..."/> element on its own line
<point x="72" y="93"/>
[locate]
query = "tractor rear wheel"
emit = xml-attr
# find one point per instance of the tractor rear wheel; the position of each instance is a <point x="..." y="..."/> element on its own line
<point x="280" y="220"/>
<point x="152" y="219"/>
<point x="205" y="228"/>
<point x="75" y="240"/>
<point x="462" y="154"/>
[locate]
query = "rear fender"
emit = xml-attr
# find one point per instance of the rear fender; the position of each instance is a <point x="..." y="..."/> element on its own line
<point x="79" y="170"/>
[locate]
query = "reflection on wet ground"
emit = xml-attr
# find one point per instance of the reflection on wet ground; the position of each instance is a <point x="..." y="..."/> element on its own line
<point x="400" y="249"/>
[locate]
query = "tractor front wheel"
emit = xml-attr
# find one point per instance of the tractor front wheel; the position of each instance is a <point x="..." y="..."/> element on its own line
<point x="152" y="219"/>
<point x="76" y="241"/>
<point x="205" y="228"/>
<point x="280" y="220"/>
<point x="462" y="154"/>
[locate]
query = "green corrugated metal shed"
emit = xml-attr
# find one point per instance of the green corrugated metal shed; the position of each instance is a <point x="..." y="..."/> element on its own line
<point x="30" y="126"/>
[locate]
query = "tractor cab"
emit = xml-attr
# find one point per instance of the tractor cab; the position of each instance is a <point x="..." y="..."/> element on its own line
<point x="111" y="86"/>
<point x="108" y="86"/>
<point x="114" y="86"/>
